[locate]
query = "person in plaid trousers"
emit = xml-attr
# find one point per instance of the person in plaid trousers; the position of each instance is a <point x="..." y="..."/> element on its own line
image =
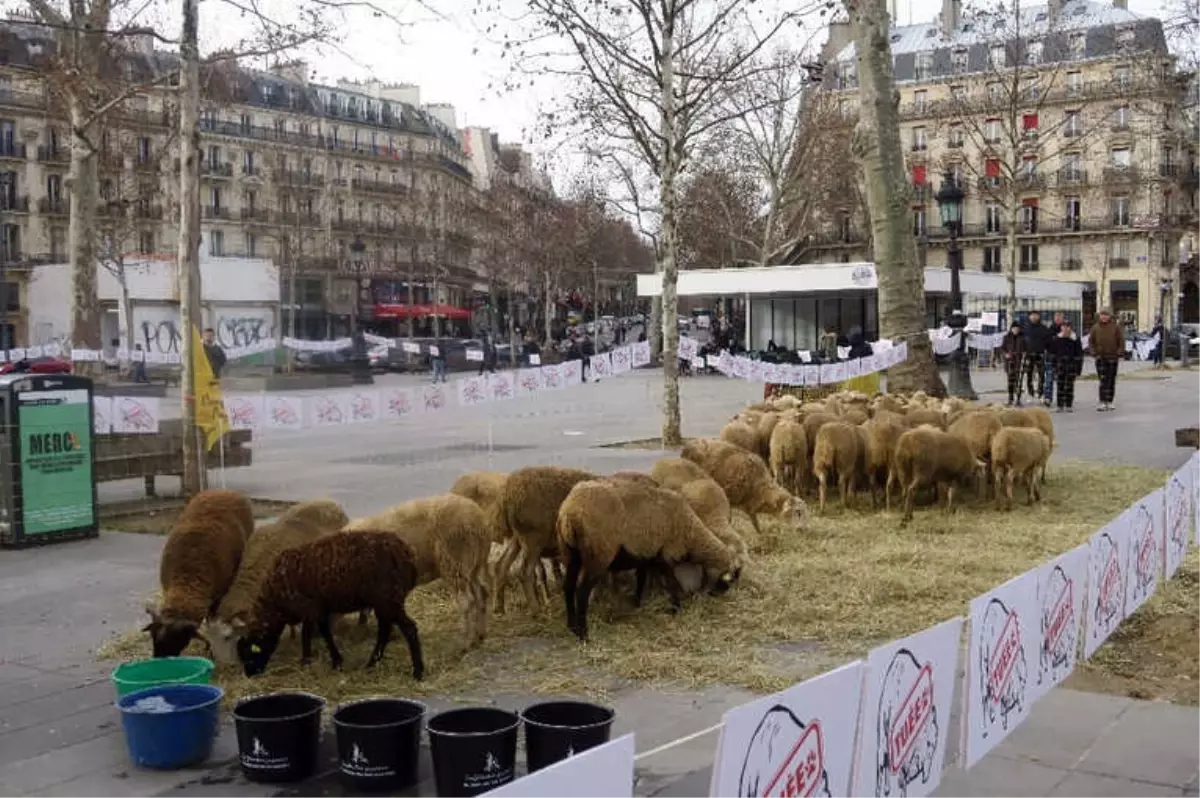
<point x="1066" y="353"/>
<point x="1014" y="354"/>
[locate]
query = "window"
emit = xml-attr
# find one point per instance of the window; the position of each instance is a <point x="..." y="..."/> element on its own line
<point x="845" y="234"/>
<point x="146" y="243"/>
<point x="1029" y="258"/>
<point x="997" y="57"/>
<point x="993" y="218"/>
<point x="54" y="191"/>
<point x="919" y="142"/>
<point x="955" y="138"/>
<point x="847" y="75"/>
<point x="1071" y="260"/>
<point x="1073" y="124"/>
<point x="214" y="156"/>
<point x="1033" y="52"/>
<point x="919" y="176"/>
<point x="1029" y="216"/>
<point x="248" y="162"/>
<point x="845" y="111"/>
<point x="918" y="222"/>
<point x="995" y="91"/>
<point x="144" y="150"/>
<point x="58" y="242"/>
<point x="1031" y="88"/>
<point x="991" y="170"/>
<point x="958" y="94"/>
<point x="1120" y="157"/>
<point x="249" y="201"/>
<point x="214" y="198"/>
<point x="1078" y="45"/>
<point x="1029" y="167"/>
<point x="1120" y="211"/>
<point x="1122" y="77"/>
<point x="1029" y="124"/>
<point x="1120" y="117"/>
<point x="1071" y="214"/>
<point x="959" y="62"/>
<point x="1072" y="169"/>
<point x="923" y="69"/>
<point x="244" y="123"/>
<point x="216" y="243"/>
<point x="991" y="259"/>
<point x="1074" y="84"/>
<point x="251" y="245"/>
<point x="1125" y="37"/>
<point x="1118" y="254"/>
<point x="920" y="100"/>
<point x="991" y="131"/>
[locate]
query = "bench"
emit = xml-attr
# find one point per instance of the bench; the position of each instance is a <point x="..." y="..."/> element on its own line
<point x="1188" y="437"/>
<point x="160" y="455"/>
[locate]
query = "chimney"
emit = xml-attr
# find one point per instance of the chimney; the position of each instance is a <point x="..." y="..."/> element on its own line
<point x="293" y="71"/>
<point x="951" y="17"/>
<point x="839" y="37"/>
<point x="141" y="41"/>
<point x="1121" y="4"/>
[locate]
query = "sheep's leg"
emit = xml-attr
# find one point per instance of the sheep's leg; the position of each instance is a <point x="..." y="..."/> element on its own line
<point x="382" y="636"/>
<point x="1030" y="487"/>
<point x="480" y="593"/>
<point x="821" y="491"/>
<point x="640" y="589"/>
<point x="1009" y="478"/>
<point x="910" y="495"/>
<point x="574" y="564"/>
<point x="887" y="491"/>
<point x="306" y="630"/>
<point x="1037" y="488"/>
<point x="408" y="628"/>
<point x="530" y="564"/>
<point x="292" y="631"/>
<point x="950" y="499"/>
<point x="582" y="596"/>
<point x="674" y="589"/>
<point x="335" y="656"/>
<point x="501" y="572"/>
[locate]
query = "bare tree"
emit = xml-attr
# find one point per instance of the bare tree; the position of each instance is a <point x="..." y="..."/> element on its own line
<point x="718" y="215"/>
<point x="876" y="145"/>
<point x="650" y="76"/>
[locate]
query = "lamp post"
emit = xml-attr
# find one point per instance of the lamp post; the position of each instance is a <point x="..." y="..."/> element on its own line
<point x="950" y="201"/>
<point x="360" y="370"/>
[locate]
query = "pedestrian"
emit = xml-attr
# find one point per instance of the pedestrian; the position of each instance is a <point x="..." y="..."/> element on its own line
<point x="1048" y="370"/>
<point x="1107" y="342"/>
<point x="1158" y="335"/>
<point x="139" y="365"/>
<point x="827" y="344"/>
<point x="437" y="361"/>
<point x="216" y="355"/>
<point x="489" y="354"/>
<point x="1036" y="335"/>
<point x="1014" y="353"/>
<point x="1067" y="353"/>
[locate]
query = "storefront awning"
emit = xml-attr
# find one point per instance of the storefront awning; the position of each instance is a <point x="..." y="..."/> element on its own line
<point x="397" y="311"/>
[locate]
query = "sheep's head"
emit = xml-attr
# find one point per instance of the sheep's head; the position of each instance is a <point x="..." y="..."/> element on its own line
<point x="169" y="633"/>
<point x="725" y="581"/>
<point x="223" y="636"/>
<point x="255" y="650"/>
<point x="788" y="508"/>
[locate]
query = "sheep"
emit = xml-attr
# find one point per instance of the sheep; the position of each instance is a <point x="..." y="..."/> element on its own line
<point x="1041" y="420"/>
<point x="526" y="515"/>
<point x="977" y="428"/>
<point x="742" y="435"/>
<point x="746" y="480"/>
<point x="1019" y="453"/>
<point x="764" y="429"/>
<point x="929" y="456"/>
<point x="199" y="562"/>
<point x="674" y="471"/>
<point x="854" y="415"/>
<point x="300" y="524"/>
<point x="789" y="455"/>
<point x="706" y="498"/>
<point x="926" y="416"/>
<point x="610" y="525"/>
<point x="837" y="450"/>
<point x="812" y="425"/>
<point x="881" y="437"/>
<point x="785" y="402"/>
<point x="893" y="404"/>
<point x="1012" y="417"/>
<point x="354" y="570"/>
<point x="450" y="539"/>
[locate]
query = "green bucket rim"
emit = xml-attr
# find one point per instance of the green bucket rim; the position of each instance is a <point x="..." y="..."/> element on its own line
<point x="205" y="666"/>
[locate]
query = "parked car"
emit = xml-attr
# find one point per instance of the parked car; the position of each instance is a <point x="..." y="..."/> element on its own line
<point x="323" y="361"/>
<point x="384" y="358"/>
<point x="37" y="365"/>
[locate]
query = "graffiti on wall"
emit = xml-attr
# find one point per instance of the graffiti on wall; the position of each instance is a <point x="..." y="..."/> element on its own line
<point x="231" y="331"/>
<point x="159" y="336"/>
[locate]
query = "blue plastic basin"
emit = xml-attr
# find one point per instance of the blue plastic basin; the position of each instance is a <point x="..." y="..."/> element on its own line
<point x="176" y="738"/>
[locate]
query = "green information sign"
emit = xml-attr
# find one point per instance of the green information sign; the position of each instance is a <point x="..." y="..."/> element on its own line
<point x="56" y="460"/>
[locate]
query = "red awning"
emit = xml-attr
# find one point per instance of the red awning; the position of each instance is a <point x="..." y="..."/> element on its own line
<point x="918" y="174"/>
<point x="396" y="311"/>
<point x="450" y="312"/>
<point x="1030" y="202"/>
<point x="992" y="167"/>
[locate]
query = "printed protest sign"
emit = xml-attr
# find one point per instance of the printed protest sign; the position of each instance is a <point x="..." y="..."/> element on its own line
<point x="1144" y="560"/>
<point x="363" y="406"/>
<point x="600" y="772"/>
<point x="102" y="414"/>
<point x="1107" y="552"/>
<point x="135" y="415"/>
<point x="399" y="402"/>
<point x="1178" y="516"/>
<point x="1061" y="586"/>
<point x="330" y="410"/>
<point x="246" y="412"/>
<point x="285" y="412"/>
<point x="472" y="391"/>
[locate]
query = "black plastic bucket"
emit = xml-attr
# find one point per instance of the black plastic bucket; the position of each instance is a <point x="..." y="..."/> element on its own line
<point x="474" y="750"/>
<point x="379" y="743"/>
<point x="278" y="735"/>
<point x="555" y="730"/>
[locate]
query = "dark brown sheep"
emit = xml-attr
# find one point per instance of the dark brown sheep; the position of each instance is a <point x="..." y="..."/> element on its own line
<point x="346" y="572"/>
<point x="199" y="563"/>
<point x="928" y="456"/>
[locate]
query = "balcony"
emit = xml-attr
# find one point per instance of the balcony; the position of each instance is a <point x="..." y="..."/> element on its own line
<point x="250" y="170"/>
<point x="151" y="212"/>
<point x="1072" y="131"/>
<point x="54" y="205"/>
<point x="216" y="170"/>
<point x="347" y="225"/>
<point x="1191" y="176"/>
<point x="216" y="212"/>
<point x="1170" y="170"/>
<point x="378" y="187"/>
<point x="294" y="219"/>
<point x="255" y="215"/>
<point x="145" y="162"/>
<point x="918" y="146"/>
<point x="1116" y="173"/>
<point x="1071" y="176"/>
<point x="1027" y="266"/>
<point x="1072" y="224"/>
<point x="1119" y="126"/>
<point x="12" y="149"/>
<point x="955" y="144"/>
<point x="14" y="203"/>
<point x="288" y="177"/>
<point x="1118" y="263"/>
<point x="1071" y="265"/>
<point x="990" y="183"/>
<point x="1029" y="181"/>
<point x="47" y="154"/>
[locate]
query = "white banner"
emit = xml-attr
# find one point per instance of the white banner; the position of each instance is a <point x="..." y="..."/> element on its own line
<point x="471" y="391"/>
<point x="246" y="412"/>
<point x="330" y="410"/>
<point x="135" y="415"/>
<point x="364" y="406"/>
<point x="599" y="367"/>
<point x="1145" y="550"/>
<point x="1061" y="598"/>
<point x="1107" y="555"/>
<point x="605" y="771"/>
<point x="1178" y="516"/>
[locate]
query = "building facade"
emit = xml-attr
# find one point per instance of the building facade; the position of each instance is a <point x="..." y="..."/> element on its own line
<point x="1065" y="127"/>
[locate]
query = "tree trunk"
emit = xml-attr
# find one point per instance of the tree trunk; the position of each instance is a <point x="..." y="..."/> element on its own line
<point x="1010" y="241"/>
<point x="654" y="331"/>
<point x="876" y="145"/>
<point x="672" y="434"/>
<point x="126" y="333"/>
<point x="189" y="242"/>
<point x="548" y="316"/>
<point x="437" y="320"/>
<point x="512" y="322"/>
<point x="83" y="191"/>
<point x="413" y="254"/>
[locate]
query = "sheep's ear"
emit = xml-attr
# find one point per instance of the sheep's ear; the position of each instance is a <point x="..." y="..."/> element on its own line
<point x="238" y="625"/>
<point x="152" y="611"/>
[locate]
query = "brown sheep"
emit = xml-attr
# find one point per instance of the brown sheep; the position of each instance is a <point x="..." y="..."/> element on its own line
<point x="927" y="456"/>
<point x="199" y="562"/>
<point x="742" y="435"/>
<point x="1019" y="453"/>
<point x="746" y="480"/>
<point x="926" y="416"/>
<point x="764" y="429"/>
<point x="893" y="404"/>
<point x="812" y="425"/>
<point x="837" y="451"/>
<point x="882" y="435"/>
<point x="610" y="525"/>
<point x="361" y="570"/>
<point x="1013" y="417"/>
<point x="789" y="455"/>
<point x="673" y="472"/>
<point x="450" y="538"/>
<point x="977" y="428"/>
<point x="854" y="415"/>
<point x="526" y="516"/>
<point x="1041" y="420"/>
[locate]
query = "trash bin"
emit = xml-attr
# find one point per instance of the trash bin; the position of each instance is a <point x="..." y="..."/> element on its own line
<point x="474" y="750"/>
<point x="556" y="730"/>
<point x="47" y="485"/>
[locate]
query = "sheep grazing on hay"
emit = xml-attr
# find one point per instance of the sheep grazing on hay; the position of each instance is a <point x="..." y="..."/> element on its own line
<point x="199" y="562"/>
<point x="742" y="435"/>
<point x="300" y="524"/>
<point x="612" y="525"/>
<point x="789" y="455"/>
<point x="746" y="480"/>
<point x="977" y="428"/>
<point x="526" y="516"/>
<point x="1019" y="453"/>
<point x="881" y="436"/>
<point x="706" y="498"/>
<point x="925" y="415"/>
<point x="347" y="572"/>
<point x="837" y="452"/>
<point x="1042" y="421"/>
<point x="927" y="456"/>
<point x="450" y="539"/>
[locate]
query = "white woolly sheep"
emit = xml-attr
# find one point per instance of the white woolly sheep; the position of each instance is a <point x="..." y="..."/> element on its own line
<point x="977" y="428"/>
<point x="881" y="436"/>
<point x="1041" y="420"/>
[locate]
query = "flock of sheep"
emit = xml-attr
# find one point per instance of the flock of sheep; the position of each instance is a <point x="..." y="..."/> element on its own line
<point x="539" y="523"/>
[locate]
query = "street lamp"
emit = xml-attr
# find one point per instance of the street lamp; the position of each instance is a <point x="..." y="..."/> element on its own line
<point x="950" y="202"/>
<point x="360" y="369"/>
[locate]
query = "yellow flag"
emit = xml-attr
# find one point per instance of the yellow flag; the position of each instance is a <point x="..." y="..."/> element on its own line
<point x="210" y="405"/>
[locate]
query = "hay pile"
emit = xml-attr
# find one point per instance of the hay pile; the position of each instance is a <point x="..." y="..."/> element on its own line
<point x="812" y="599"/>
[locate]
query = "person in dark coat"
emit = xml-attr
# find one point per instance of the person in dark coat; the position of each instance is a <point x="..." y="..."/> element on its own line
<point x="216" y="355"/>
<point x="858" y="346"/>
<point x="1036" y="335"/>
<point x="1014" y="353"/>
<point x="1066" y="353"/>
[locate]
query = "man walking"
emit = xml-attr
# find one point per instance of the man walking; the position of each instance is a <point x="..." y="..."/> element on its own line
<point x="216" y="355"/>
<point x="1036" y="336"/>
<point x="1107" y="342"/>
